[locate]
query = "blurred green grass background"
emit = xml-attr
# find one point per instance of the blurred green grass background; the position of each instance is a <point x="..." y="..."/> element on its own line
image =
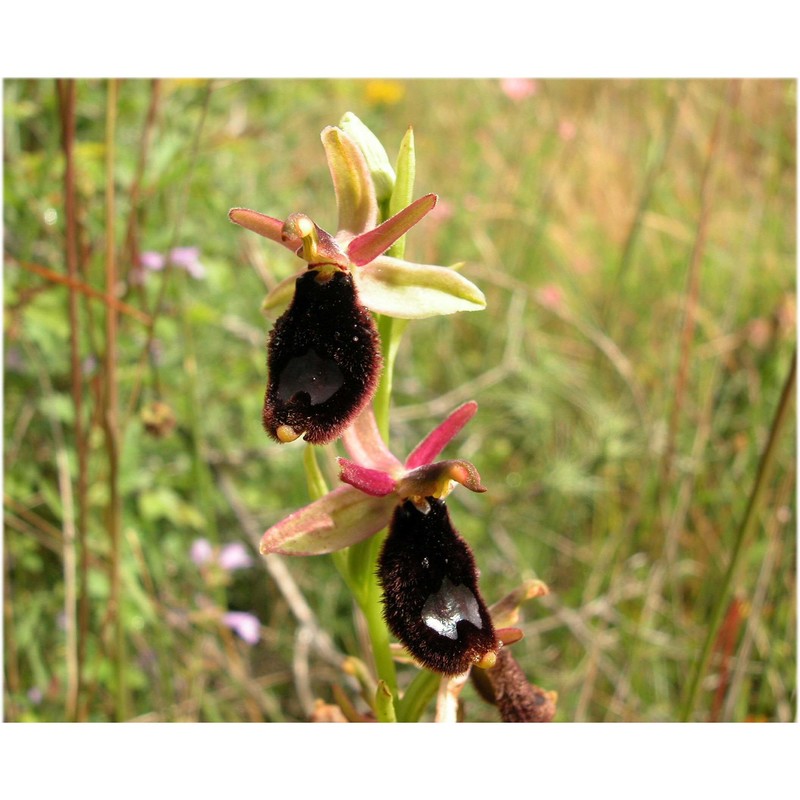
<point x="636" y="243"/>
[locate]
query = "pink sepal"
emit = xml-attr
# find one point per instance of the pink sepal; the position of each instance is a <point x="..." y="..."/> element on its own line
<point x="341" y="518"/>
<point x="368" y="246"/>
<point x="364" y="444"/>
<point x="263" y="225"/>
<point x="371" y="481"/>
<point x="439" y="437"/>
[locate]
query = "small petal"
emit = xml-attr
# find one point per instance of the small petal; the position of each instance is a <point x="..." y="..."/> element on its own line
<point x="364" y="444"/>
<point x="437" y="480"/>
<point x="505" y="612"/>
<point x="341" y="518"/>
<point x="414" y="291"/>
<point x="371" y="481"/>
<point x="245" y="624"/>
<point x="433" y="444"/>
<point x="234" y="556"/>
<point x="263" y="225"/>
<point x="184" y="256"/>
<point x="152" y="260"/>
<point x="352" y="182"/>
<point x="368" y="246"/>
<point x="507" y="636"/>
<point x="201" y="552"/>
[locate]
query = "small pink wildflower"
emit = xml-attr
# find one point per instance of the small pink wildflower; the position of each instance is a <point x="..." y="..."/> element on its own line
<point x="234" y="556"/>
<point x="519" y="88"/>
<point x="184" y="257"/>
<point x="243" y="623"/>
<point x="201" y="552"/>
<point x="551" y="296"/>
<point x="567" y="130"/>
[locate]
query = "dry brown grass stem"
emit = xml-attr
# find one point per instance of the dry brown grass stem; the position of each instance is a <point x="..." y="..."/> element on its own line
<point x="310" y="635"/>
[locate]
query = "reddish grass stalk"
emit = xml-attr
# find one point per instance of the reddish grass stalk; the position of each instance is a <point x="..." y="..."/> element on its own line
<point x="86" y="290"/>
<point x="76" y="639"/>
<point x="111" y="417"/>
<point x="725" y="645"/>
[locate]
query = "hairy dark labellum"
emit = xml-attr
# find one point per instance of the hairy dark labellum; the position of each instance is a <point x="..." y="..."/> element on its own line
<point x="323" y="359"/>
<point x="431" y="601"/>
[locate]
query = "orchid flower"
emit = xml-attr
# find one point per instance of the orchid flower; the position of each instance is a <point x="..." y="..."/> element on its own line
<point x="377" y="482"/>
<point x="324" y="356"/>
<point x="431" y="599"/>
<point x="385" y="285"/>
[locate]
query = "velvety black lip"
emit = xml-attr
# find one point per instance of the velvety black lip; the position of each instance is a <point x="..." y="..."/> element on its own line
<point x="431" y="600"/>
<point x="323" y="359"/>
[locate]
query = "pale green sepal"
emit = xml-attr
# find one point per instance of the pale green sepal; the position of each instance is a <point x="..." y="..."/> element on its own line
<point x="415" y="291"/>
<point x="281" y="295"/>
<point x="340" y="519"/>
<point x="352" y="182"/>
<point x="377" y="160"/>
<point x="403" y="186"/>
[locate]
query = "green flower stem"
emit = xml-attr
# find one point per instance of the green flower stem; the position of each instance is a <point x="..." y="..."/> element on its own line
<point x="391" y="329"/>
<point x="318" y="487"/>
<point x="391" y="332"/>
<point x="754" y="503"/>
<point x="356" y="565"/>
<point x="363" y="557"/>
<point x="361" y="560"/>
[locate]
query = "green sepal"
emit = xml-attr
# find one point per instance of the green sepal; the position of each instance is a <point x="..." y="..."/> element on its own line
<point x="381" y="170"/>
<point x="352" y="182"/>
<point x="416" y="291"/>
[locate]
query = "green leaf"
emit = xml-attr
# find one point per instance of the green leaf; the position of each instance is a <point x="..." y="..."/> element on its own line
<point x="403" y="186"/>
